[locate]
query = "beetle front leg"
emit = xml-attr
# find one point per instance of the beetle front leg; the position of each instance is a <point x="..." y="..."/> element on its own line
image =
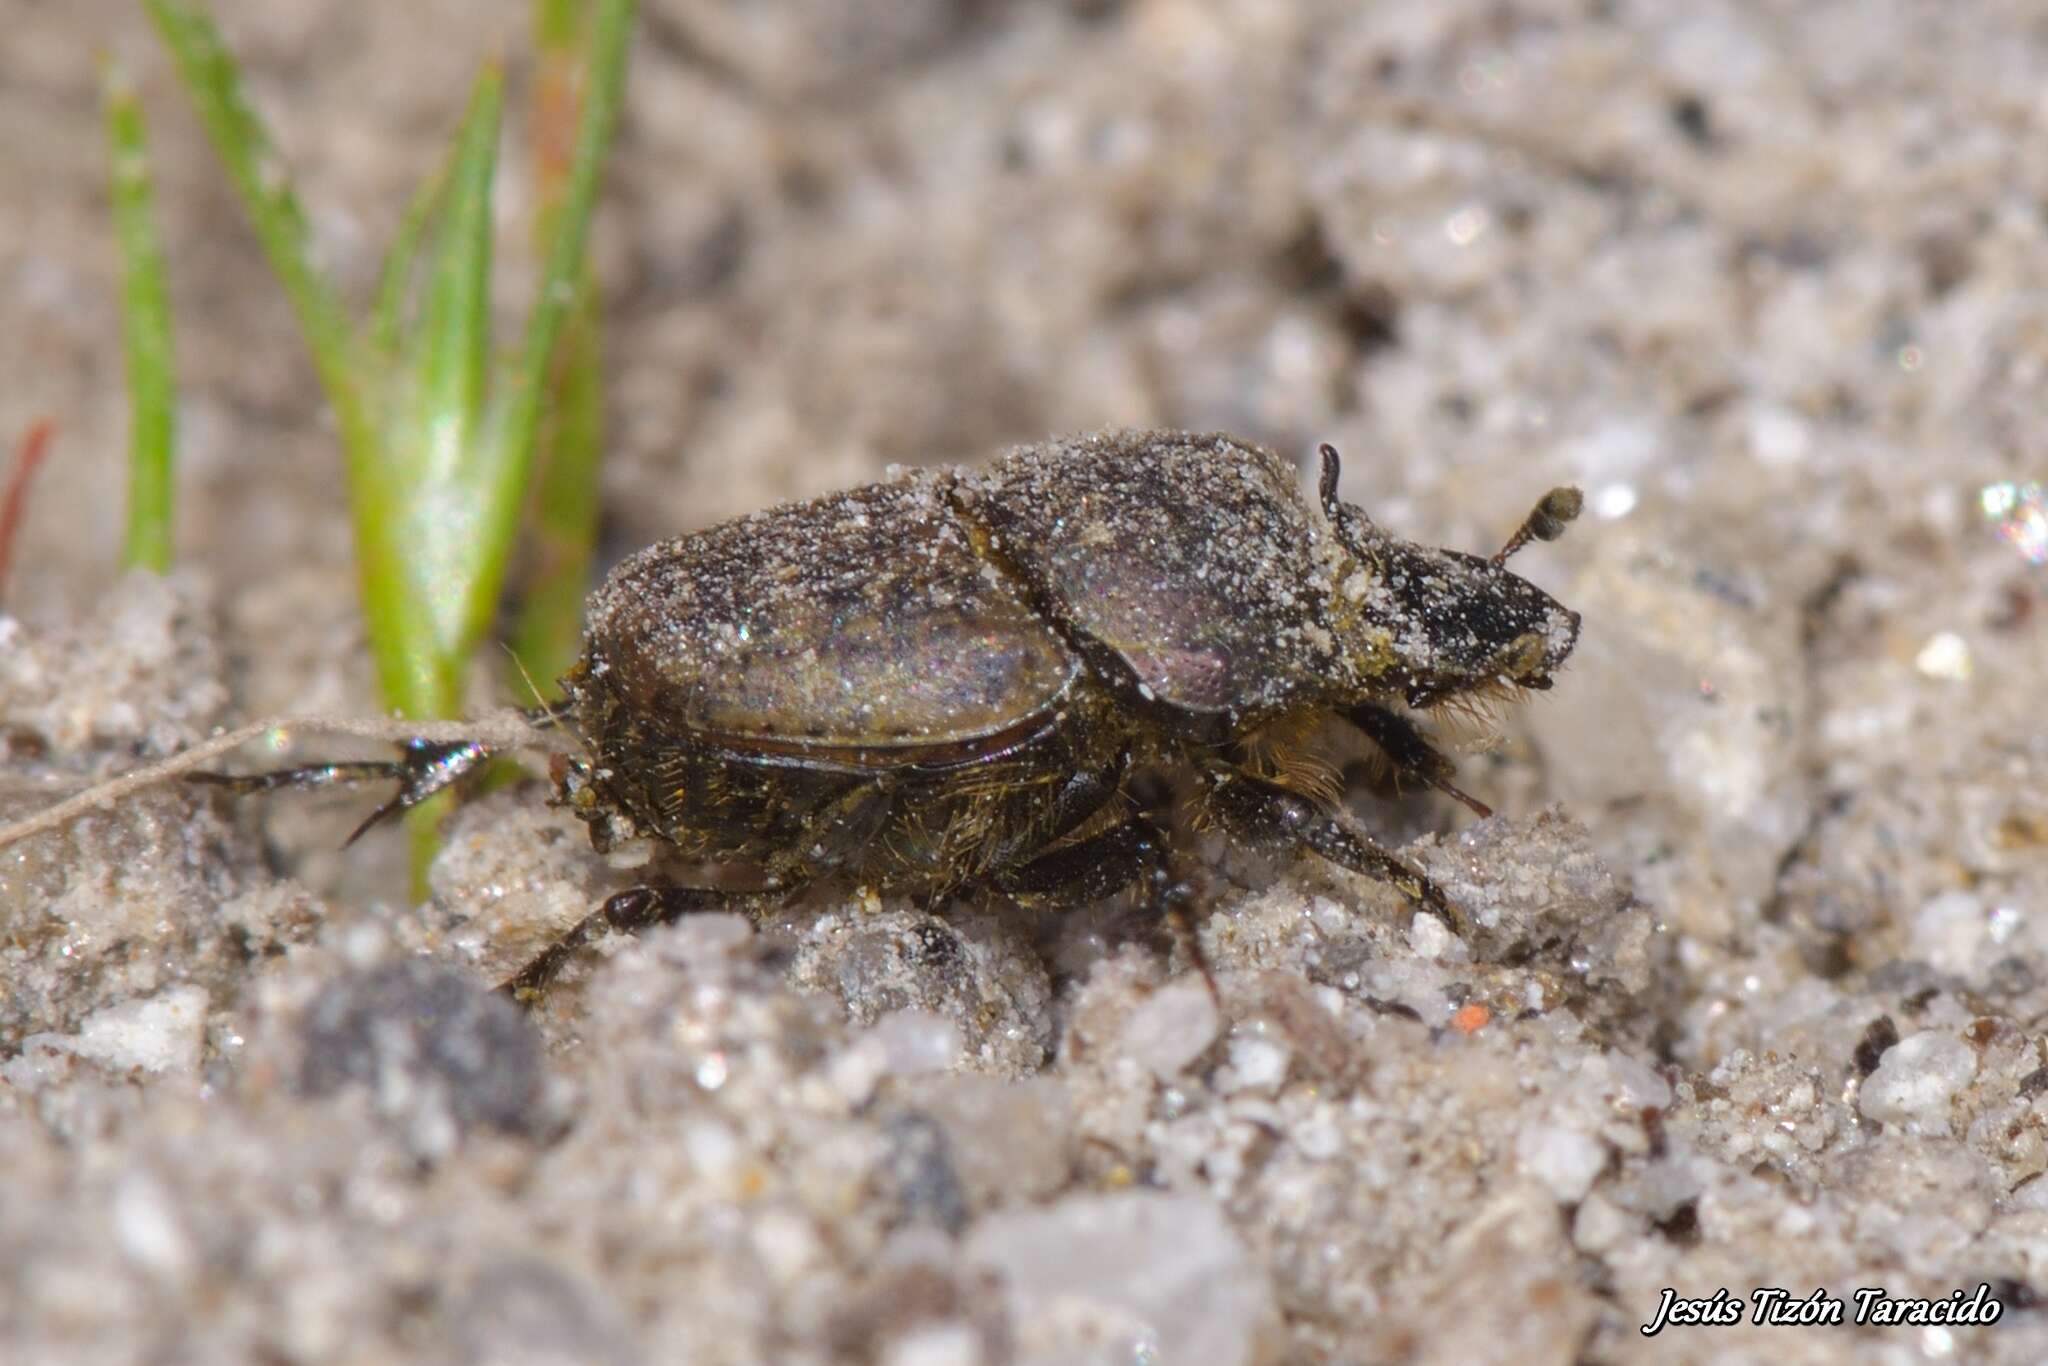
<point x="630" y="912"/>
<point x="1410" y="753"/>
<point x="1263" y="813"/>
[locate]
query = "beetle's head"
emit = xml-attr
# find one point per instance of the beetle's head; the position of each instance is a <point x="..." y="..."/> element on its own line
<point x="1459" y="626"/>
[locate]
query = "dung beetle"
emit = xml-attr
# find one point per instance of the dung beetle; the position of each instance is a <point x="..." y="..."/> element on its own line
<point x="950" y="680"/>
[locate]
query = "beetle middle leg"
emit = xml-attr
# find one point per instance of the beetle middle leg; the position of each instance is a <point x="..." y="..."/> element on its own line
<point x="1136" y="852"/>
<point x="1410" y="753"/>
<point x="1089" y="870"/>
<point x="630" y="912"/>
<point x="1264" y="813"/>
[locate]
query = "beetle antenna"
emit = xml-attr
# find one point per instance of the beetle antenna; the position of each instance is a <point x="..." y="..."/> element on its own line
<point x="1546" y="521"/>
<point x="1327" y="485"/>
<point x="546" y="715"/>
<point x="543" y="714"/>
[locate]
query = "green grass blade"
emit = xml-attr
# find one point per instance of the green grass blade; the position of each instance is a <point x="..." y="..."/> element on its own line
<point x="145" y="330"/>
<point x="558" y="27"/>
<point x="394" y="281"/>
<point x="253" y="164"/>
<point x="416" y="506"/>
<point x="509" y="456"/>
<point x="548" y="634"/>
<point x="611" y="37"/>
<point x="417" y="511"/>
<point x="448" y="353"/>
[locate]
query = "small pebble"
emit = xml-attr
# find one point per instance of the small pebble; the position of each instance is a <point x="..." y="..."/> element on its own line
<point x="1915" y="1080"/>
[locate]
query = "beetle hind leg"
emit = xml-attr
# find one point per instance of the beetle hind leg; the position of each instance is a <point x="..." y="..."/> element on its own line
<point x="1263" y="813"/>
<point x="423" y="768"/>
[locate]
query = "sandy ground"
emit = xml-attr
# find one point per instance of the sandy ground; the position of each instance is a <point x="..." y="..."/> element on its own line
<point x="1756" y="989"/>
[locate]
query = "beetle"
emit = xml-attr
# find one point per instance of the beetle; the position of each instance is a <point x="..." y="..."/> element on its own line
<point x="949" y="680"/>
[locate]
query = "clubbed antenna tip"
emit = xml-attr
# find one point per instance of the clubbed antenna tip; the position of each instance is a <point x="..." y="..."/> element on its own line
<point x="1546" y="521"/>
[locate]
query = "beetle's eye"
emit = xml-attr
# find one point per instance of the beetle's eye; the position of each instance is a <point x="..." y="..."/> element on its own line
<point x="1523" y="657"/>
